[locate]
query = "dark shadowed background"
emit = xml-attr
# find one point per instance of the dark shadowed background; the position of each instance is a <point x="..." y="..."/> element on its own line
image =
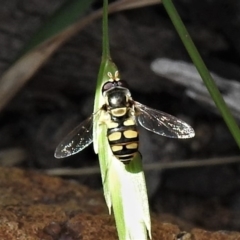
<point x="61" y="95"/>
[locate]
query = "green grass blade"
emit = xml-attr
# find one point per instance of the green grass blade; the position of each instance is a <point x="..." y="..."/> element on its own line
<point x="124" y="186"/>
<point x="130" y="201"/>
<point x="100" y="142"/>
<point x="61" y="19"/>
<point x="203" y="71"/>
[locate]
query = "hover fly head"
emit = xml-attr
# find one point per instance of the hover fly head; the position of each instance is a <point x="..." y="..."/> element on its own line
<point x="113" y="83"/>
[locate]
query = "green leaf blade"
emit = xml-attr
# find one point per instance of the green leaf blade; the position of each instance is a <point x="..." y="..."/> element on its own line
<point x="203" y="71"/>
<point x="66" y="15"/>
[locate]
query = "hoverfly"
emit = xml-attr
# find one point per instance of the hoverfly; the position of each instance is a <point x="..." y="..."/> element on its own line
<point x="123" y="115"/>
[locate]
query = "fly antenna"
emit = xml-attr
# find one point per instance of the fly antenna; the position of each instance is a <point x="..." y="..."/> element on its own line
<point x="110" y="76"/>
<point x="115" y="77"/>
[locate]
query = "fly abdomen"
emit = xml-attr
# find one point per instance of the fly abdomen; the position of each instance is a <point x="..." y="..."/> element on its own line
<point x="126" y="153"/>
<point x="123" y="140"/>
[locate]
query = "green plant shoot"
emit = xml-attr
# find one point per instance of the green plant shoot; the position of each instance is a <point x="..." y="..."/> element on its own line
<point x="124" y="186"/>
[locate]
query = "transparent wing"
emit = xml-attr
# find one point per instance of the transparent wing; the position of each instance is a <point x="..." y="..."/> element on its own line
<point x="162" y="123"/>
<point x="78" y="139"/>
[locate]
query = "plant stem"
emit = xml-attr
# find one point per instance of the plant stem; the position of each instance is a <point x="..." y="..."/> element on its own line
<point x="105" y="42"/>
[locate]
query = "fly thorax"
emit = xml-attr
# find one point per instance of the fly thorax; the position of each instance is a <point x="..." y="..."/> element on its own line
<point x="117" y="98"/>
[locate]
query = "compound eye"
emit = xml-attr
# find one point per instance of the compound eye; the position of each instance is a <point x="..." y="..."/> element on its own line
<point x="122" y="83"/>
<point x="107" y="86"/>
